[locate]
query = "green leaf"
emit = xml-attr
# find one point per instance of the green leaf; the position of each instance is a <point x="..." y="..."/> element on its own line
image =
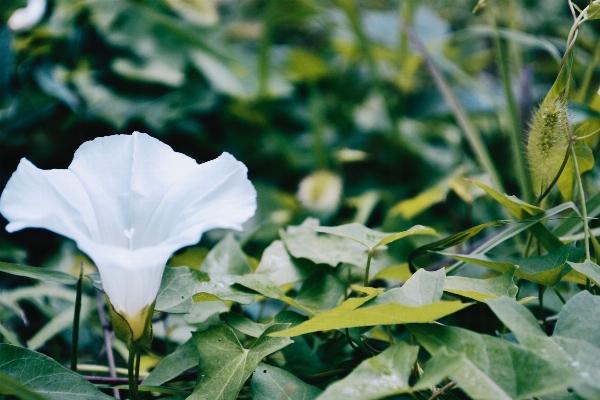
<point x="38" y="273"/>
<point x="422" y="288"/>
<point x="521" y="211"/>
<point x="303" y="242"/>
<point x="579" y="319"/>
<point x="42" y="375"/>
<point x="225" y="365"/>
<point x="320" y="292"/>
<point x="382" y="314"/>
<point x="593" y="11"/>
<point x="10" y="386"/>
<point x="176" y="290"/>
<point x="589" y="269"/>
<point x="486" y="367"/>
<point x="270" y="383"/>
<point x="244" y="325"/>
<point x="560" y="84"/>
<point x="226" y="258"/>
<point x="370" y="238"/>
<point x="173" y="365"/>
<point x="547" y="269"/>
<point x="575" y="354"/>
<point x="483" y="289"/>
<point x="279" y="267"/>
<point x="412" y="207"/>
<point x="450" y="241"/>
<point x="383" y="375"/>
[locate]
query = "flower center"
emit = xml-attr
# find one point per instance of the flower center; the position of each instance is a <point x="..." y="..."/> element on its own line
<point x="129" y="235"/>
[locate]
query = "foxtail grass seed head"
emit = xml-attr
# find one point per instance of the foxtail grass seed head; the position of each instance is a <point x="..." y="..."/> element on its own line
<point x="547" y="144"/>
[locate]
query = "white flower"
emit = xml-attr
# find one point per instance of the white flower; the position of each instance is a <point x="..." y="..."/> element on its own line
<point x="28" y="17"/>
<point x="129" y="202"/>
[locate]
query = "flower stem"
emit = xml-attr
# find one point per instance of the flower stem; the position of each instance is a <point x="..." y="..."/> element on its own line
<point x="77" y="313"/>
<point x="133" y="351"/>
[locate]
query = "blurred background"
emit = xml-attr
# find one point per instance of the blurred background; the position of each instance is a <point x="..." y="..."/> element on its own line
<point x="330" y="104"/>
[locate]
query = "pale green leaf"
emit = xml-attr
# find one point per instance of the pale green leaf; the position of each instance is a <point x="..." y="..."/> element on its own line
<point x="422" y="288"/>
<point x="269" y="383"/>
<point x="382" y="314"/>
<point x="482" y="289"/>
<point x="589" y="269"/>
<point x="244" y="325"/>
<point x="412" y="207"/>
<point x="225" y="365"/>
<point x="42" y="375"/>
<point x="176" y="290"/>
<point x="279" y="267"/>
<point x="383" y="375"/>
<point x="585" y="162"/>
<point x="226" y="258"/>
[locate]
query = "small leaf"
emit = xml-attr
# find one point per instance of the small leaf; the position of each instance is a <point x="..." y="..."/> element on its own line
<point x="412" y="207"/>
<point x="450" y="241"/>
<point x="42" y="375"/>
<point x="585" y="162"/>
<point x="482" y="289"/>
<point x="270" y="383"/>
<point x="244" y="325"/>
<point x="176" y="290"/>
<point x="279" y="267"/>
<point x="225" y="365"/>
<point x="383" y="375"/>
<point x="38" y="273"/>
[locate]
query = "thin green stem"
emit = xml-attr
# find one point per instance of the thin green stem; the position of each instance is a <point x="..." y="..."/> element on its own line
<point x="368" y="268"/>
<point x="587" y="78"/>
<point x="390" y="336"/>
<point x="541" y="290"/>
<point x="562" y="299"/>
<point x="586" y="228"/>
<point x="515" y="120"/>
<point x="459" y="112"/>
<point x="76" y="316"/>
<point x="131" y="371"/>
<point x="316" y="116"/>
<point x="137" y="368"/>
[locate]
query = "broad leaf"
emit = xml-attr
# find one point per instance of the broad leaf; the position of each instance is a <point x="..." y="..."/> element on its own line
<point x="42" y="375"/>
<point x="270" y="383"/>
<point x="482" y="289"/>
<point x="383" y="375"/>
<point x="244" y="325"/>
<point x="422" y="288"/>
<point x="225" y="365"/>
<point x="37" y="273"/>
<point x="173" y="365"/>
<point x="279" y="267"/>
<point x="176" y="290"/>
<point x="226" y="258"/>
<point x="486" y="367"/>
<point x="568" y="349"/>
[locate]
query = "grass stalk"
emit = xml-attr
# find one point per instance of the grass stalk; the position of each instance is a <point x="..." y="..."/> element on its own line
<point x="76" y="317"/>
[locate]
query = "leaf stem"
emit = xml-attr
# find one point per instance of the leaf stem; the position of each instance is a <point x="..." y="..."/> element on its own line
<point x="369" y="256"/>
<point x="562" y="299"/>
<point x="438" y="393"/>
<point x="76" y="316"/>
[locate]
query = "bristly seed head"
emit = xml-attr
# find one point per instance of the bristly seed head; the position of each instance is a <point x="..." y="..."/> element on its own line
<point x="547" y="143"/>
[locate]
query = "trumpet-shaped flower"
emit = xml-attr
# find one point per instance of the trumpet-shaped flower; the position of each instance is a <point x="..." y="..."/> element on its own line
<point x="129" y="202"/>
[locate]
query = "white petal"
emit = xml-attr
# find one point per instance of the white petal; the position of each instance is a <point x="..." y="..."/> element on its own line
<point x="52" y="199"/>
<point x="26" y="18"/>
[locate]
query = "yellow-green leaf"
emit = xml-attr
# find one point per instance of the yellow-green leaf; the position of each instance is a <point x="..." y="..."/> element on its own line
<point x="482" y="289"/>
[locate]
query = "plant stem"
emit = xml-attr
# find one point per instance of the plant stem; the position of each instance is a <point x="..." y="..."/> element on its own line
<point x="586" y="229"/>
<point x="77" y="313"/>
<point x="370" y="254"/>
<point x="265" y="47"/>
<point x="448" y="386"/>
<point x="107" y="333"/>
<point x="541" y="290"/>
<point x="562" y="299"/>
<point x="131" y="371"/>
<point x="516" y="134"/>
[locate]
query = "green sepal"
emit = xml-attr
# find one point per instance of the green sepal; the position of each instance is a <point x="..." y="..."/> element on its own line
<point x="124" y="330"/>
